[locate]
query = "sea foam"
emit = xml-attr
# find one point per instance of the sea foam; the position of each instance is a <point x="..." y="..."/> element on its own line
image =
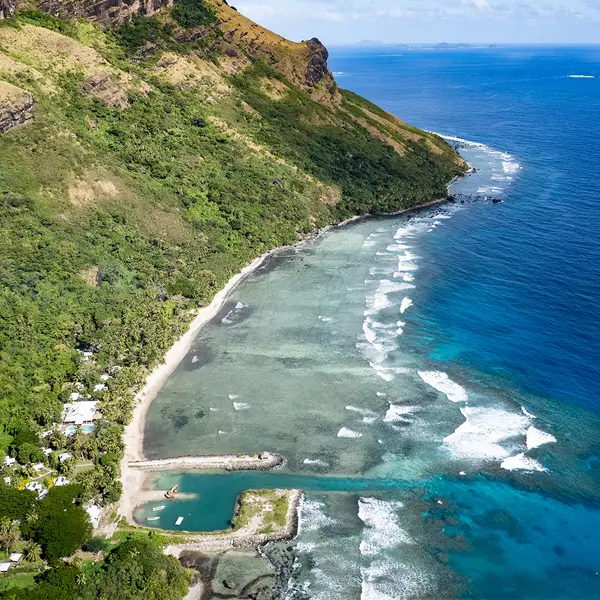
<point x="398" y="413"/>
<point x="382" y="530"/>
<point x="480" y="437"/>
<point x="441" y="382"/>
<point x="537" y="438"/>
<point x="386" y="579"/>
<point x="315" y="462"/>
<point x="312" y="516"/>
<point x="520" y="462"/>
<point x="241" y="406"/>
<point x="344" y="432"/>
<point x="406" y="304"/>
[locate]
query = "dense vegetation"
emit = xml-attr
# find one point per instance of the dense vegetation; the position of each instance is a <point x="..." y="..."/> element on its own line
<point x="135" y="570"/>
<point x="56" y="523"/>
<point x="118" y="219"/>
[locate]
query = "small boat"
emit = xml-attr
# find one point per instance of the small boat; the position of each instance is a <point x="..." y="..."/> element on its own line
<point x="152" y="518"/>
<point x="172" y="492"/>
<point x="157" y="508"/>
<point x="179" y="521"/>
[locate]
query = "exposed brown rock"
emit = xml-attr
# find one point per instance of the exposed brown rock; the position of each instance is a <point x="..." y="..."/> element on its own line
<point x="110" y="13"/>
<point x="16" y="106"/>
<point x="101" y="86"/>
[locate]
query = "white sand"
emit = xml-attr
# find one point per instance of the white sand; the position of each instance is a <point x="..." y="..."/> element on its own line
<point x="133" y="479"/>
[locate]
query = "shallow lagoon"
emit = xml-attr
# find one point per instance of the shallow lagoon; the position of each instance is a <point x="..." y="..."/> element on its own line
<point x="329" y="357"/>
<point x="420" y="471"/>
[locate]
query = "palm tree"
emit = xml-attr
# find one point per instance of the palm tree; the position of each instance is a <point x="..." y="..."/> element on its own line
<point x="5" y="524"/>
<point x="32" y="552"/>
<point x="9" y="533"/>
<point x="31" y="517"/>
<point x="80" y="580"/>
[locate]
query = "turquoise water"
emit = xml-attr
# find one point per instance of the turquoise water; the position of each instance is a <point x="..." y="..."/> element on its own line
<point x="85" y="428"/>
<point x="216" y="495"/>
<point x="431" y="380"/>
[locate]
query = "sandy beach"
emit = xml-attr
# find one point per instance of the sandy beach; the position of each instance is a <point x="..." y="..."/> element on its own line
<point x="133" y="479"/>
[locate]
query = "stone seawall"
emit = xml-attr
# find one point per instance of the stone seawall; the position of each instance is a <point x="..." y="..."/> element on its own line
<point x="261" y="462"/>
<point x="16" y="106"/>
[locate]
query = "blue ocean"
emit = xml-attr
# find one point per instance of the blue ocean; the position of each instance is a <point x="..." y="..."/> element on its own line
<point x="432" y="379"/>
<point x="520" y="286"/>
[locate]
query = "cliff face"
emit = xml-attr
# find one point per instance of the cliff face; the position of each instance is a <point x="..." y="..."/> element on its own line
<point x="16" y="106"/>
<point x="7" y="8"/>
<point x="109" y="13"/>
<point x="304" y="63"/>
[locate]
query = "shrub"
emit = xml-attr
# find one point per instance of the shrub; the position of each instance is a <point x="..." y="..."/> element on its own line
<point x="192" y="13"/>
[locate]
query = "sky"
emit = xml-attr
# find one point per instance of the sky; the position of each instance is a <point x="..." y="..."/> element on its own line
<point x="338" y="22"/>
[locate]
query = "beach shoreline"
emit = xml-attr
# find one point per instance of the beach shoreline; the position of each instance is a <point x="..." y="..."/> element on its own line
<point x="133" y="479"/>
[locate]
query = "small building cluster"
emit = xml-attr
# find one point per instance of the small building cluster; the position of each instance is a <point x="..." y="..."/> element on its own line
<point x="13" y="560"/>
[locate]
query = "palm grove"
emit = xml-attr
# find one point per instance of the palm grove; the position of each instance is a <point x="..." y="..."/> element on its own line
<point x="93" y="293"/>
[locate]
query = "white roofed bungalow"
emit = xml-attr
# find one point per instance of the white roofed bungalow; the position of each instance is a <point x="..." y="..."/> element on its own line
<point x="79" y="413"/>
<point x="34" y="486"/>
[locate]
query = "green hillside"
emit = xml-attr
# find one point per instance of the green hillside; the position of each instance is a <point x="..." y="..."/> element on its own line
<point x="160" y="157"/>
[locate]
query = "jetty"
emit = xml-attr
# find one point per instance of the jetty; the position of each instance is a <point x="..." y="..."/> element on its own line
<point x="241" y="462"/>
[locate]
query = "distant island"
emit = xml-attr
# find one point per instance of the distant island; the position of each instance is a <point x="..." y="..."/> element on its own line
<point x="423" y="46"/>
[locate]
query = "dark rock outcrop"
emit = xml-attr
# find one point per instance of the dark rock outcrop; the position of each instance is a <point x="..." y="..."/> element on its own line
<point x="16" y="106"/>
<point x="110" y="13"/>
<point x="7" y="8"/>
<point x="317" y="68"/>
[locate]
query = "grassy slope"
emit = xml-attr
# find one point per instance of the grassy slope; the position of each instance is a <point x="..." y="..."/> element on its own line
<point x="116" y="221"/>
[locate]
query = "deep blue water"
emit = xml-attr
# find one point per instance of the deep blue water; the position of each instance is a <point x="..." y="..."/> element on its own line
<point x="512" y="293"/>
<point x="518" y="287"/>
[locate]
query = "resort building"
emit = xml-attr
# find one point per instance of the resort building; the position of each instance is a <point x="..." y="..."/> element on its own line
<point x="60" y="481"/>
<point x="5" y="566"/>
<point x="8" y="460"/>
<point x="34" y="486"/>
<point x="15" y="557"/>
<point x="64" y="456"/>
<point x="78" y="413"/>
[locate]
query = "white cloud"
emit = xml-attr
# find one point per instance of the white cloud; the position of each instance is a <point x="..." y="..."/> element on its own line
<point x="339" y="21"/>
<point x="478" y="4"/>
